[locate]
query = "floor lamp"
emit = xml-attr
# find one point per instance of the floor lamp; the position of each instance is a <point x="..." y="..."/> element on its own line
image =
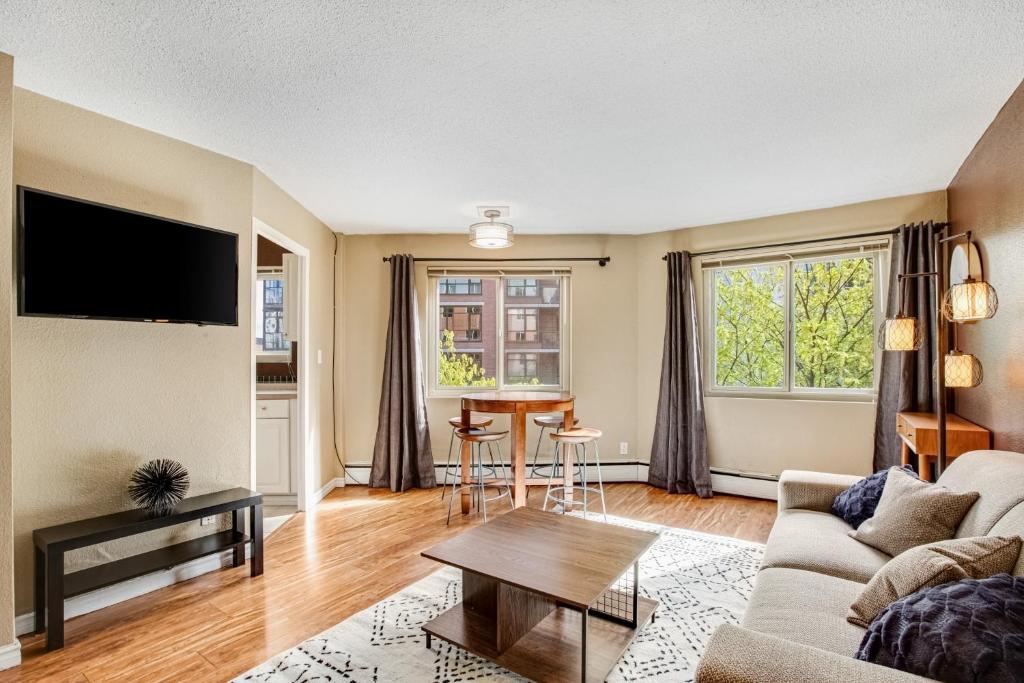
<point x="968" y="301"/>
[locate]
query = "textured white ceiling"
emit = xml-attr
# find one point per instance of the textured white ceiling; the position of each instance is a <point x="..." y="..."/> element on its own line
<point x="582" y="115"/>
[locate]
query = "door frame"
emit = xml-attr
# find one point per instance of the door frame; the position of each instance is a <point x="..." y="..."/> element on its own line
<point x="304" y="488"/>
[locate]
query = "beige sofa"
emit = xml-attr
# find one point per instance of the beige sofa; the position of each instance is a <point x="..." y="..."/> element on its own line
<point x="794" y="629"/>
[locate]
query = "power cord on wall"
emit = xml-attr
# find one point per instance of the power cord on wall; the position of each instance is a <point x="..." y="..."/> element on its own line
<point x="334" y="357"/>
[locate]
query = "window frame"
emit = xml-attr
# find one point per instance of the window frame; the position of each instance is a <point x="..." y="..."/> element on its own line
<point x="877" y="252"/>
<point x="432" y="351"/>
<point x="277" y="355"/>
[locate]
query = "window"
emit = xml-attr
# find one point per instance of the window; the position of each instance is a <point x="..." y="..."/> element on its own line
<point x="522" y="367"/>
<point x="797" y="326"/>
<point x="462" y="321"/>
<point x="488" y="336"/>
<point x="459" y="285"/>
<point x="269" y="317"/>
<point x="521" y="287"/>
<point x="521" y="324"/>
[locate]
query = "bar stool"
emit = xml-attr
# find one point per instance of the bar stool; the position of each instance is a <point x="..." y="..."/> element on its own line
<point x="477" y="438"/>
<point x="556" y="422"/>
<point x="475" y="422"/>
<point x="578" y="439"/>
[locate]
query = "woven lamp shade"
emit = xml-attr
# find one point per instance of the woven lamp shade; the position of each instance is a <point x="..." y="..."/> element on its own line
<point x="900" y="334"/>
<point x="963" y="370"/>
<point x="970" y="301"/>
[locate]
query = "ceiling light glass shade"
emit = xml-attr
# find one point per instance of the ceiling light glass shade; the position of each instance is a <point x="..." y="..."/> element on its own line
<point x="490" y="235"/>
<point x="970" y="301"/>
<point x="899" y="334"/>
<point x="963" y="370"/>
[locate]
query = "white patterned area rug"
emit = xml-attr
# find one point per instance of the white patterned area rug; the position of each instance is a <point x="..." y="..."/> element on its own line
<point x="700" y="580"/>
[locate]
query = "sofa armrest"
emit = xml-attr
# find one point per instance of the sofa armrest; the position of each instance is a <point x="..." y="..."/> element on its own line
<point x="738" y="655"/>
<point x="803" y="490"/>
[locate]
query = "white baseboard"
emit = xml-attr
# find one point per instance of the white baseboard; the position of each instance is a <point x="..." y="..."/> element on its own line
<point x="322" y="492"/>
<point x="750" y="487"/>
<point x="609" y="472"/>
<point x="10" y="655"/>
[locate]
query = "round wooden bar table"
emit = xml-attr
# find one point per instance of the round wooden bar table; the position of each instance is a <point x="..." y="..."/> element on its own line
<point x="517" y="404"/>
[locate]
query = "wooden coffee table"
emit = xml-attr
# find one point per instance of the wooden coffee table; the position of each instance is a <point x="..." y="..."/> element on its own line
<point x="531" y="580"/>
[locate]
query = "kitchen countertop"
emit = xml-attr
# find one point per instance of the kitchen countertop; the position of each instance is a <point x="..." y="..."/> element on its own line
<point x="276" y="390"/>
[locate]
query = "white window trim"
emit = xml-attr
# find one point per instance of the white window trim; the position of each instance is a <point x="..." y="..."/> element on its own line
<point x="787" y="391"/>
<point x="565" y="329"/>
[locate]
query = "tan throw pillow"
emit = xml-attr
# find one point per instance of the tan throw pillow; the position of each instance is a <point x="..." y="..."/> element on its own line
<point x="931" y="565"/>
<point x="912" y="512"/>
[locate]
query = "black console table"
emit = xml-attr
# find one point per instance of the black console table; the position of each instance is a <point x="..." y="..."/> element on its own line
<point x="52" y="585"/>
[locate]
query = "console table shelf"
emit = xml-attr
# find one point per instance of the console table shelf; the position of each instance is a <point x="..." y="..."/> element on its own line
<point x="53" y="586"/>
<point x="117" y="571"/>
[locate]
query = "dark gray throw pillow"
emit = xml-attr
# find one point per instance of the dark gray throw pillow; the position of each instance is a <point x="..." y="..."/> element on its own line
<point x="857" y="504"/>
<point x="969" y="631"/>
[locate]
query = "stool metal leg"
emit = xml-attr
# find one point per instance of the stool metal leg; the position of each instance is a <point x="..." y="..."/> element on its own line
<point x="551" y="475"/>
<point x="600" y="482"/>
<point x="480" y="479"/>
<point x="583" y="483"/>
<point x="448" y="464"/>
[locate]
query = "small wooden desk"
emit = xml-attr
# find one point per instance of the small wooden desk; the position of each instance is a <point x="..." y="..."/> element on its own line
<point x="919" y="432"/>
<point x="517" y="404"/>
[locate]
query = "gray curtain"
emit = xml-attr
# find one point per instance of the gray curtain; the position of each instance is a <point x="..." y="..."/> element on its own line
<point x="906" y="381"/>
<point x="679" y="457"/>
<point x="401" y="454"/>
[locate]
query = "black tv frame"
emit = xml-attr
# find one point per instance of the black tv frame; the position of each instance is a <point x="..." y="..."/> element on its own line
<point x="20" y="249"/>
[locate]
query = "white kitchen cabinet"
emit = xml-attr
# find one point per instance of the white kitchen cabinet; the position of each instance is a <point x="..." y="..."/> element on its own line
<point x="273" y="447"/>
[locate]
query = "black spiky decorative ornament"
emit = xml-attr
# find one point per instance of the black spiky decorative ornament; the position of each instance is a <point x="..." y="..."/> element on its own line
<point x="159" y="485"/>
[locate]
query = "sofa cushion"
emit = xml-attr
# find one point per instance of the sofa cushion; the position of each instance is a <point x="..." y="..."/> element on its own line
<point x="818" y="542"/>
<point x="1012" y="523"/>
<point x="998" y="475"/>
<point x="857" y="504"/>
<point x="931" y="565"/>
<point x="961" y="632"/>
<point x="805" y="607"/>
<point x="912" y="512"/>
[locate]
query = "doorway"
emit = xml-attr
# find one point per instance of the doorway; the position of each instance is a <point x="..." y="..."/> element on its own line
<point x="279" y="458"/>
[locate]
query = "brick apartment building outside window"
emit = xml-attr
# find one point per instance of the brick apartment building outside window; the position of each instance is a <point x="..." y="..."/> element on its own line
<point x="511" y="328"/>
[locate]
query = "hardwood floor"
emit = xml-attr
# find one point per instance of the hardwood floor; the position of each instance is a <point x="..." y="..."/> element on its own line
<point x="357" y="547"/>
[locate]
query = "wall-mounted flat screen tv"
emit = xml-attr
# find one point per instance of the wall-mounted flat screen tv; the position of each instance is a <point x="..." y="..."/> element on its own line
<point x="80" y="259"/>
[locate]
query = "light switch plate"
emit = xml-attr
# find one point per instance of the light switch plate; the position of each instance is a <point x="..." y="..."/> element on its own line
<point x="319" y="356"/>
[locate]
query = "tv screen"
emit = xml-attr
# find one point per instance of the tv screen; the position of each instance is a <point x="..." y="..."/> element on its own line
<point x="79" y="259"/>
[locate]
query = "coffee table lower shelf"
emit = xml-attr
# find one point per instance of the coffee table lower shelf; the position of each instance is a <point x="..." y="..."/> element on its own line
<point x="551" y="650"/>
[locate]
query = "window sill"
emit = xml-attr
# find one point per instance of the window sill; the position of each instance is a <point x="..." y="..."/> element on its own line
<point x="796" y="396"/>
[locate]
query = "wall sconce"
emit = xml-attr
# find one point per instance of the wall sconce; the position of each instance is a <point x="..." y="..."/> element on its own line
<point x="971" y="299"/>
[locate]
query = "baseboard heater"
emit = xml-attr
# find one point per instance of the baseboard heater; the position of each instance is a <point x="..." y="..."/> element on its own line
<point x="744" y="475"/>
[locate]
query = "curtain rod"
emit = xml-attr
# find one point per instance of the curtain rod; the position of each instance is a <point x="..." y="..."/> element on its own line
<point x="601" y="260"/>
<point x="799" y="243"/>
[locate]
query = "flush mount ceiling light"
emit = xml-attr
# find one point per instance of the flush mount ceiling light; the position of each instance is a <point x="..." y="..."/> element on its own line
<point x="490" y="234"/>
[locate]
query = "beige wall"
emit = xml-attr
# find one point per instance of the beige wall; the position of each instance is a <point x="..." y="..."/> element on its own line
<point x="274" y="207"/>
<point x="618" y="321"/>
<point x="6" y="301"/>
<point x="93" y="399"/>
<point x="603" y="335"/>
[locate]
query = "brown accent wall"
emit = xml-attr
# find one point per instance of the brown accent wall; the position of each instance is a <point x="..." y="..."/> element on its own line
<point x="987" y="196"/>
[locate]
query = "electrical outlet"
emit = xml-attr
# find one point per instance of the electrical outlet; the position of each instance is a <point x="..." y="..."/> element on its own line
<point x="208" y="520"/>
<point x="624" y="448"/>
